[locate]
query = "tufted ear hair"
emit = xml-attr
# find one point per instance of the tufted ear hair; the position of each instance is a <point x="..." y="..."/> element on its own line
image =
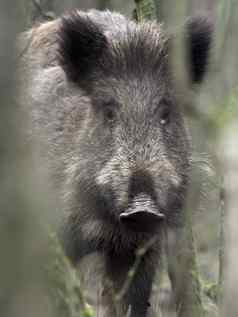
<point x="81" y="43"/>
<point x="199" y="32"/>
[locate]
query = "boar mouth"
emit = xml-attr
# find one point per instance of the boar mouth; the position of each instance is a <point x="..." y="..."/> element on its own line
<point x="142" y="215"/>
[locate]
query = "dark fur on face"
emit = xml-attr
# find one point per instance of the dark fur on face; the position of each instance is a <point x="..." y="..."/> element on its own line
<point x="83" y="44"/>
<point x="199" y="39"/>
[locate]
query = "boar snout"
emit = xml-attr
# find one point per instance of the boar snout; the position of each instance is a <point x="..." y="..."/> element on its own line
<point x="142" y="215"/>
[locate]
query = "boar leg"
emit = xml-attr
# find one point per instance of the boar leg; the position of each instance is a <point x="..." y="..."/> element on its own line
<point x="133" y="298"/>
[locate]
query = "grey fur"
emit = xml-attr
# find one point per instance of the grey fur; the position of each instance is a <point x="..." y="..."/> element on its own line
<point x="102" y="130"/>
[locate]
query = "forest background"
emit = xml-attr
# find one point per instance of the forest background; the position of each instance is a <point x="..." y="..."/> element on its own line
<point x="25" y="203"/>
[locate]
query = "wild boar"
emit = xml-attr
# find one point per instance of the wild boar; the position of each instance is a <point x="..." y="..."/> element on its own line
<point x="102" y="97"/>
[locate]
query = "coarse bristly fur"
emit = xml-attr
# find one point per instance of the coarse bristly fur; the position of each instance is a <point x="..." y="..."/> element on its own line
<point x="101" y="94"/>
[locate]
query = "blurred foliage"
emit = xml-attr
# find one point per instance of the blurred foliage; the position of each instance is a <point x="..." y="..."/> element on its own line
<point x="227" y="111"/>
<point x="67" y="294"/>
<point x="211" y="290"/>
<point x="145" y="10"/>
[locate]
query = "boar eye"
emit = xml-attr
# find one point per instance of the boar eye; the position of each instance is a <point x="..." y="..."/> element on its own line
<point x="109" y="114"/>
<point x="164" y="116"/>
<point x="110" y="110"/>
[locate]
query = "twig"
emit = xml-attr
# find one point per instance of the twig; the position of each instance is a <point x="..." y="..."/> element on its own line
<point x="131" y="274"/>
<point x="26" y="47"/>
<point x="222" y="244"/>
<point x="42" y="13"/>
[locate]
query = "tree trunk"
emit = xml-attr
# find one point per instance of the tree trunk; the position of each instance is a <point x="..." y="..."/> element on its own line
<point x="229" y="152"/>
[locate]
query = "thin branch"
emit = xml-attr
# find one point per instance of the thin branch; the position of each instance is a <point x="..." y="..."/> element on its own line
<point x="132" y="272"/>
<point x="42" y="13"/>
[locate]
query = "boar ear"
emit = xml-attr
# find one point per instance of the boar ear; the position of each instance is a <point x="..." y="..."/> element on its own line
<point x="199" y="32"/>
<point x="80" y="44"/>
